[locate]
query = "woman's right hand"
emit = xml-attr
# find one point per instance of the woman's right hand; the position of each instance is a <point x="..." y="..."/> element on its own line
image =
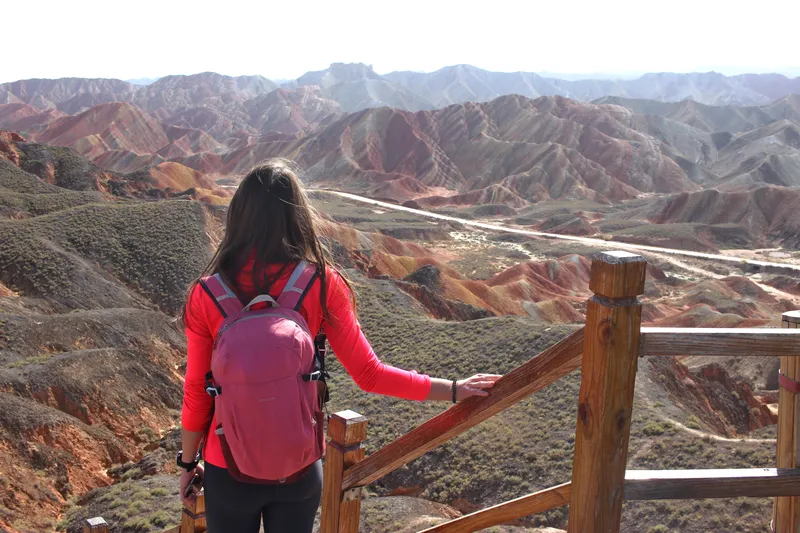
<point x="189" y="490"/>
<point x="476" y="385"/>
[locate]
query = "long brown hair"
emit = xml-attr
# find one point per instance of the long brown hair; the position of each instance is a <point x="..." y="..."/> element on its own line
<point x="270" y="220"/>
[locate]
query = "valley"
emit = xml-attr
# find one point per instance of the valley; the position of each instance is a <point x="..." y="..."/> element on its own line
<point x="466" y="215"/>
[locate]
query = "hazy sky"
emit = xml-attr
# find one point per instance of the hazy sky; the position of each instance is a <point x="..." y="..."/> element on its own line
<point x="147" y="38"/>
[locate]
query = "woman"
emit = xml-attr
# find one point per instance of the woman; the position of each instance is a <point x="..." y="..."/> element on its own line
<point x="270" y="229"/>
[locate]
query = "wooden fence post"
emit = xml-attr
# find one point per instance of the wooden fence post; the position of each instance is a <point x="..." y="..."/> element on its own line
<point x="786" y="513"/>
<point x="341" y="510"/>
<point x="193" y="520"/>
<point x="608" y="375"/>
<point x="95" y="525"/>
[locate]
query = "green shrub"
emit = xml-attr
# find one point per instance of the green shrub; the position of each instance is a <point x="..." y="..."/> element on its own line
<point x="130" y="474"/>
<point x="161" y="519"/>
<point x="159" y="492"/>
<point x="652" y="429"/>
<point x="137" y="524"/>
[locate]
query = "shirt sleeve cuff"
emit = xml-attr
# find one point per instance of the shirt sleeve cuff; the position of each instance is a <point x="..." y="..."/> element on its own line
<point x="422" y="387"/>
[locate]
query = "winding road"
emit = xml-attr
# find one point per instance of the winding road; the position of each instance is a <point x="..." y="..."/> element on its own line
<point x="586" y="240"/>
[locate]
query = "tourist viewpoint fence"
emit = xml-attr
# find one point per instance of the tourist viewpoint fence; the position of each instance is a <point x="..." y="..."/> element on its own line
<point x="607" y="350"/>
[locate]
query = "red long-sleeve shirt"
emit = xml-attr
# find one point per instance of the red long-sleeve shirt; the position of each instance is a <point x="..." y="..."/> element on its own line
<point x="344" y="335"/>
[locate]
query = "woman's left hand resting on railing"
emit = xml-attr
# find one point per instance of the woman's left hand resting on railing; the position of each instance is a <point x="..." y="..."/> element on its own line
<point x="477" y="385"/>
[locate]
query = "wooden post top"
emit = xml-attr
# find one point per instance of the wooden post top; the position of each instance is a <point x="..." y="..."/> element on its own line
<point x="347" y="428"/>
<point x="95" y="525"/>
<point x="618" y="274"/>
<point x="349" y="416"/>
<point x="793" y="317"/>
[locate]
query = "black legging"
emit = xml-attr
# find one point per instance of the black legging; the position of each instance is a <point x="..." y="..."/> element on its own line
<point x="236" y="507"/>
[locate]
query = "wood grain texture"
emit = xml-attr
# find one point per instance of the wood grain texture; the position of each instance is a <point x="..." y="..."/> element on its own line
<point x="350" y="509"/>
<point x="544" y="369"/>
<point x="193" y="519"/>
<point x="331" y="490"/>
<point x="95" y="525"/>
<point x="346" y="430"/>
<point x="786" y="510"/>
<point x="699" y="484"/>
<point x="535" y="503"/>
<point x="200" y="510"/>
<point x="723" y="342"/>
<point x="605" y="405"/>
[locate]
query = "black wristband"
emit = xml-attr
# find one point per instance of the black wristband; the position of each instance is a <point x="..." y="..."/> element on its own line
<point x="454" y="387"/>
<point x="186" y="466"/>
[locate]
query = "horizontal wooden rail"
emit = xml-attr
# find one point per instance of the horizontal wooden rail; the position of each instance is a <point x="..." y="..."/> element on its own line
<point x="535" y="503"/>
<point x="698" y="484"/>
<point x="544" y="369"/>
<point x="641" y="485"/>
<point x="723" y="342"/>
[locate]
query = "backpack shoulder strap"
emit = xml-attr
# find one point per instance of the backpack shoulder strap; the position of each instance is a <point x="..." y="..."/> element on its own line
<point x="301" y="280"/>
<point x="223" y="297"/>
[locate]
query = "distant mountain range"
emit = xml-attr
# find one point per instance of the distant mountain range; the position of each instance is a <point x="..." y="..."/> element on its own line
<point x="355" y="86"/>
<point x="353" y="129"/>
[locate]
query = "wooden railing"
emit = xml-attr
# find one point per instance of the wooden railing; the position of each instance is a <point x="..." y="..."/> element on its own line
<point x="607" y="349"/>
<point x="640" y="485"/>
<point x="551" y="365"/>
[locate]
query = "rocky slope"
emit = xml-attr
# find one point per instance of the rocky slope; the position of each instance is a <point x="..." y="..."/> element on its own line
<point x="91" y="362"/>
<point x="88" y="357"/>
<point x="537" y="149"/>
<point x="69" y="171"/>
<point x="711" y="118"/>
<point x="215" y="104"/>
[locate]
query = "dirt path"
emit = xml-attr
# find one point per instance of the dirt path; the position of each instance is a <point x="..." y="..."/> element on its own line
<point x="686" y="266"/>
<point x="700" y="433"/>
<point x="585" y="240"/>
<point x="665" y="254"/>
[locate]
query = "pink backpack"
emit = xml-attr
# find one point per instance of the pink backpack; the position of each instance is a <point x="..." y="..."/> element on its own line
<point x="265" y="372"/>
